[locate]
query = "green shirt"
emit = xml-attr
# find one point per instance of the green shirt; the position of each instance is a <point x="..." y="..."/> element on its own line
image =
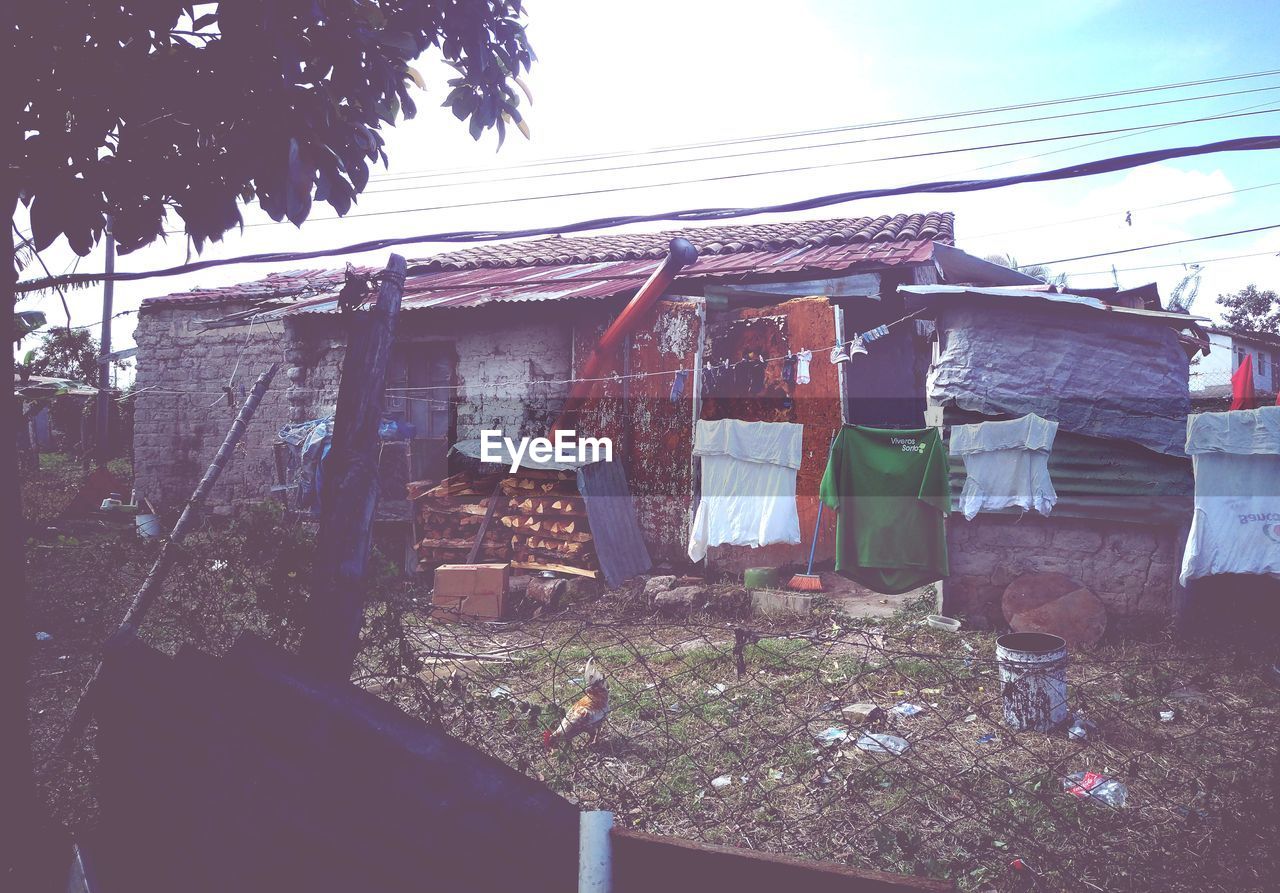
<point x="892" y="492"/>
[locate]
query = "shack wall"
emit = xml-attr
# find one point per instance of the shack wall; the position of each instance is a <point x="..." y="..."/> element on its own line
<point x="181" y="414"/>
<point x="1132" y="568"/>
<point x="794" y="325"/>
<point x="509" y="376"/>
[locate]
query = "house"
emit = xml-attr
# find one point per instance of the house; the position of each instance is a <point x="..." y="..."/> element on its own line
<point x="1111" y="368"/>
<point x="1211" y="373"/>
<point x="490" y="338"/>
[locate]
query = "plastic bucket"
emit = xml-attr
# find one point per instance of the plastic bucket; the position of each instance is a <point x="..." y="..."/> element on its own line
<point x="760" y="578"/>
<point x="1033" y="680"/>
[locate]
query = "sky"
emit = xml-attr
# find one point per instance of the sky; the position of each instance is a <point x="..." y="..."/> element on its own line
<point x="617" y="77"/>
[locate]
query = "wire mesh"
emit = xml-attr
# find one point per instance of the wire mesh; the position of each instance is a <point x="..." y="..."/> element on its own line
<point x="757" y="736"/>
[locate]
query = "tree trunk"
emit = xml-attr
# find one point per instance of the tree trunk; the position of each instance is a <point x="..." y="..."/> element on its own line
<point x="349" y="490"/>
<point x="23" y="817"/>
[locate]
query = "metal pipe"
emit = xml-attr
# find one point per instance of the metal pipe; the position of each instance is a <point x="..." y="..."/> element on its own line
<point x="682" y="254"/>
<point x="595" y="853"/>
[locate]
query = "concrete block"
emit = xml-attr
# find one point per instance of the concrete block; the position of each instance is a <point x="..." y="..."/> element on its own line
<point x="973" y="562"/>
<point x="1022" y="534"/>
<point x="1134" y="542"/>
<point x="1077" y="539"/>
<point x="774" y="602"/>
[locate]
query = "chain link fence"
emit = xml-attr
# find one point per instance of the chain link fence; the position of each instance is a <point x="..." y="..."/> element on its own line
<point x="763" y="737"/>
<point x="745" y="731"/>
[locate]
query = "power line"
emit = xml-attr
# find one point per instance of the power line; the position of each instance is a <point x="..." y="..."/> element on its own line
<point x="1150" y="128"/>
<point x="1185" y="263"/>
<point x="743" y="175"/>
<point x="1239" y="232"/>
<point x="920" y="119"/>
<point x="802" y="148"/>
<point x="1181" y="201"/>
<point x="1080" y="169"/>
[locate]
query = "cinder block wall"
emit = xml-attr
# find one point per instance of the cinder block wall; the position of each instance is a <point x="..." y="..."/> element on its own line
<point x="182" y="417"/>
<point x="182" y="368"/>
<point x="496" y="364"/>
<point x="1131" y="568"/>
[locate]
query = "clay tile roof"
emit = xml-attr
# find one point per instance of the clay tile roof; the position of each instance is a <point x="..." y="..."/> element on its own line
<point x="605" y="265"/>
<point x="710" y="241"/>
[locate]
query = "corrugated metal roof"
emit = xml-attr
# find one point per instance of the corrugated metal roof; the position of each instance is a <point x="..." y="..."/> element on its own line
<point x="456" y="289"/>
<point x="922" y="295"/>
<point x="586" y="267"/>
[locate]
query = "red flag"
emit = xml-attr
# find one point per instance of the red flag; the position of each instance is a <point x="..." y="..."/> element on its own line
<point x="1242" y="396"/>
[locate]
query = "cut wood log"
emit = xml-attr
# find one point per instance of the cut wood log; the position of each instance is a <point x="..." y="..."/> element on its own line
<point x="548" y="505"/>
<point x="557" y="568"/>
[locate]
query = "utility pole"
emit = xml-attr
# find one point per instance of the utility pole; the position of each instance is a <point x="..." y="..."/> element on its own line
<point x="349" y="489"/>
<point x="104" y="355"/>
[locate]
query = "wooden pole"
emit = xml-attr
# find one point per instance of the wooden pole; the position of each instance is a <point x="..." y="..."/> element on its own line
<point x="150" y="588"/>
<point x="103" y="421"/>
<point x="349" y="486"/>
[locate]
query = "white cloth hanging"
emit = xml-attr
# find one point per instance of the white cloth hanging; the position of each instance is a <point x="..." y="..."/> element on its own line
<point x="748" y="484"/>
<point x="1235" y="526"/>
<point x="803" y="359"/>
<point x="1006" y="465"/>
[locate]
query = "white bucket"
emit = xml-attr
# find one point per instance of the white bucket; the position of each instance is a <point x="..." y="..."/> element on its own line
<point x="1033" y="680"/>
<point x="148" y="526"/>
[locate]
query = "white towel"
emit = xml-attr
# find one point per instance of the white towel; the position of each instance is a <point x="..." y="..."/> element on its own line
<point x="1006" y="465"/>
<point x="1235" y="528"/>
<point x="748" y="484"/>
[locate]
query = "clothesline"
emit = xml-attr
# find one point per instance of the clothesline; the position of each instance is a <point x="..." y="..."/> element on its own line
<point x="493" y="389"/>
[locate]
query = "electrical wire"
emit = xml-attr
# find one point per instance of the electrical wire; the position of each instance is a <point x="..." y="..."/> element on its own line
<point x="1186" y="263"/>
<point x="919" y="119"/>
<point x="808" y="147"/>
<point x="1181" y="201"/>
<point x="1080" y="169"/>
<point x="1110" y="139"/>
<point x="748" y="174"/>
<point x="1238" y="232"/>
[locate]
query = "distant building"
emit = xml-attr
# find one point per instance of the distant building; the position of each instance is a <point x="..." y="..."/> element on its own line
<point x="1211" y="374"/>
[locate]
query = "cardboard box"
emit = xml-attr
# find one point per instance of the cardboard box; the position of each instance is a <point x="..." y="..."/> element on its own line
<point x="471" y="590"/>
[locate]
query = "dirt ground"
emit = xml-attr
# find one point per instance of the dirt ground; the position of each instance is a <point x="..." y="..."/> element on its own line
<point x="740" y="730"/>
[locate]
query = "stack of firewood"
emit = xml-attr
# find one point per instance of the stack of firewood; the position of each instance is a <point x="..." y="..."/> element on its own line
<point x="547" y="519"/>
<point x="448" y="516"/>
<point x="539" y="522"/>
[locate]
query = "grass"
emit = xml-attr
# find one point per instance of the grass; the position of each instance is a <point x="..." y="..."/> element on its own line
<point x="1201" y="812"/>
<point x="957" y="804"/>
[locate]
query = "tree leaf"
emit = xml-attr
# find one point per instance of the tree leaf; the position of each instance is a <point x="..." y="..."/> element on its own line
<point x="417" y="78"/>
<point x="398" y="40"/>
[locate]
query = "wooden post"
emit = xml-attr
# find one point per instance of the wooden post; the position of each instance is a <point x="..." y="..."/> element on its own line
<point x="150" y="588"/>
<point x="103" y="421"/>
<point x="349" y="486"/>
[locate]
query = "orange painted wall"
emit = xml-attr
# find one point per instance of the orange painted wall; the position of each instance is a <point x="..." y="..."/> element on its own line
<point x="793" y="325"/>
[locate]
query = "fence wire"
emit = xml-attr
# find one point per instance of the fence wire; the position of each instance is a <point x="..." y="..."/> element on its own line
<point x="742" y="731"/>
<point x="750" y="736"/>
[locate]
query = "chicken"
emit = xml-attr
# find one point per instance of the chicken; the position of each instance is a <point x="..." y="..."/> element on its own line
<point x="587" y="714"/>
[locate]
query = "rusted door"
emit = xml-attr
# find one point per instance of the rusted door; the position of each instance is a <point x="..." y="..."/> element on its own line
<point x="421" y="391"/>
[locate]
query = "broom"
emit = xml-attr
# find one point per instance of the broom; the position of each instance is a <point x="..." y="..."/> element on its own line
<point x="809" y="581"/>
